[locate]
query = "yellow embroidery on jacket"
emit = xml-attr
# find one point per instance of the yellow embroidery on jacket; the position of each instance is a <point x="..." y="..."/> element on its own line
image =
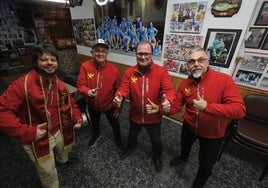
<point x="90" y="75"/>
<point x="187" y="91"/>
<point x="133" y="79"/>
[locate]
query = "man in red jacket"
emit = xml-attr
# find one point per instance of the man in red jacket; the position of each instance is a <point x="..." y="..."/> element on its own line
<point x="143" y="83"/>
<point x="98" y="80"/>
<point x="211" y="99"/>
<point x="39" y="110"/>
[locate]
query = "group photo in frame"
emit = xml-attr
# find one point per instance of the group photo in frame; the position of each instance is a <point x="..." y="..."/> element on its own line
<point x="255" y="37"/>
<point x="262" y="18"/>
<point x="220" y="45"/>
<point x="122" y="26"/>
<point x="265" y="43"/>
<point x="252" y="71"/>
<point x="188" y="17"/>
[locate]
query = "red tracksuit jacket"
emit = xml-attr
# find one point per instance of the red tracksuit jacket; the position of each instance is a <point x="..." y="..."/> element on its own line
<point x="106" y="78"/>
<point x="224" y="102"/>
<point x="137" y="88"/>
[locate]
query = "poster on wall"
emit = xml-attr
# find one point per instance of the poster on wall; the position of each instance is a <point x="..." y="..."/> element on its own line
<point x="122" y="25"/>
<point x="187" y="17"/>
<point x="13" y="31"/>
<point x="255" y="37"/>
<point x="252" y="71"/>
<point x="220" y="45"/>
<point x="176" y="47"/>
<point x="262" y="18"/>
<point x="84" y="31"/>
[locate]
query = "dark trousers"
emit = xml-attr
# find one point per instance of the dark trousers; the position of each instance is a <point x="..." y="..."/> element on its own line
<point x="154" y="132"/>
<point x="208" y="152"/>
<point x="95" y="121"/>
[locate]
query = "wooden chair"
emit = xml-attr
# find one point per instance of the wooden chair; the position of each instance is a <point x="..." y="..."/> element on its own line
<point x="251" y="132"/>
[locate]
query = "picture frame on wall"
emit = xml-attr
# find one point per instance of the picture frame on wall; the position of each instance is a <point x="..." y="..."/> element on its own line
<point x="220" y="45"/>
<point x="255" y="37"/>
<point x="252" y="71"/>
<point x="262" y="18"/>
<point x="265" y="43"/>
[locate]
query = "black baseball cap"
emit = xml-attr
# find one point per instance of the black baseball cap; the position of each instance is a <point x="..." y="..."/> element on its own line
<point x="100" y="42"/>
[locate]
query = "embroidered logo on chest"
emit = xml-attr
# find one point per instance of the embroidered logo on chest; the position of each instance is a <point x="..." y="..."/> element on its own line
<point x="133" y="79"/>
<point x="187" y="91"/>
<point x="90" y="75"/>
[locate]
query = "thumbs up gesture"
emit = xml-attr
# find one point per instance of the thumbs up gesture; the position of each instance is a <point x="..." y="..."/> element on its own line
<point x="199" y="103"/>
<point x="151" y="108"/>
<point x="165" y="104"/>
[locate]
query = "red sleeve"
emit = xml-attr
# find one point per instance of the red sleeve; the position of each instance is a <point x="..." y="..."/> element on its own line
<point x="178" y="103"/>
<point x="82" y="81"/>
<point x="10" y="103"/>
<point x="123" y="89"/>
<point x="167" y="87"/>
<point x="232" y="105"/>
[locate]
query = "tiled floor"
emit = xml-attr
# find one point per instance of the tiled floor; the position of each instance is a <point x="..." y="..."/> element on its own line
<point x="101" y="166"/>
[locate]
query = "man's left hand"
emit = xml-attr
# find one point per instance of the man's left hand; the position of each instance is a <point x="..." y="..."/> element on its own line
<point x="151" y="108"/>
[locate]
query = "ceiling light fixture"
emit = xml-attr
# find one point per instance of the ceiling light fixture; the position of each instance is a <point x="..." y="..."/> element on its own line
<point x="103" y="2"/>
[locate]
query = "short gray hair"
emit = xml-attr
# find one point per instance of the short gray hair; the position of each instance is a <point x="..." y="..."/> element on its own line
<point x="196" y="50"/>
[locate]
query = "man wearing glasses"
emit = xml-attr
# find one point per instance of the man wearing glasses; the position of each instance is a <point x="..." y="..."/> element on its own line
<point x="142" y="84"/>
<point x="211" y="99"/>
<point x="98" y="80"/>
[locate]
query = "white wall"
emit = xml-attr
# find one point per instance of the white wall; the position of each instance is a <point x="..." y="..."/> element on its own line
<point x="239" y="20"/>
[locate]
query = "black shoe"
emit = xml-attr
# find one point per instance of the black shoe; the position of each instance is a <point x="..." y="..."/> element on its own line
<point x="93" y="142"/>
<point x="177" y="161"/>
<point x="125" y="153"/>
<point x="157" y="164"/>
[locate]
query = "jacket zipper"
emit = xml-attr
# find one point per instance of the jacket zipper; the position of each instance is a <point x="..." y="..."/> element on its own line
<point x="197" y="113"/>
<point x="142" y="100"/>
<point x="97" y="86"/>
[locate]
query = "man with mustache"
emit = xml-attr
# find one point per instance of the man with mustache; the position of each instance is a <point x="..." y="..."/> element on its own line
<point x="211" y="99"/>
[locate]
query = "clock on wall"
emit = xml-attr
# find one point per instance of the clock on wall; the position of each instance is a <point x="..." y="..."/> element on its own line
<point x="158" y="4"/>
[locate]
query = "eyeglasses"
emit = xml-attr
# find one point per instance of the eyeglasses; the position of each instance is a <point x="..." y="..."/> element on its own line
<point x="100" y="51"/>
<point x="146" y="55"/>
<point x="193" y="61"/>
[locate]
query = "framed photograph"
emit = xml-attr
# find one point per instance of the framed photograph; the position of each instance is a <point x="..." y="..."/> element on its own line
<point x="220" y="45"/>
<point x="265" y="43"/>
<point x="262" y="18"/>
<point x="187" y="17"/>
<point x="252" y="71"/>
<point x="255" y="37"/>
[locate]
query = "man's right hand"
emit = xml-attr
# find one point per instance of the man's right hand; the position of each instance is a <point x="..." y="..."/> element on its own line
<point x="93" y="92"/>
<point x="118" y="100"/>
<point x="41" y="131"/>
